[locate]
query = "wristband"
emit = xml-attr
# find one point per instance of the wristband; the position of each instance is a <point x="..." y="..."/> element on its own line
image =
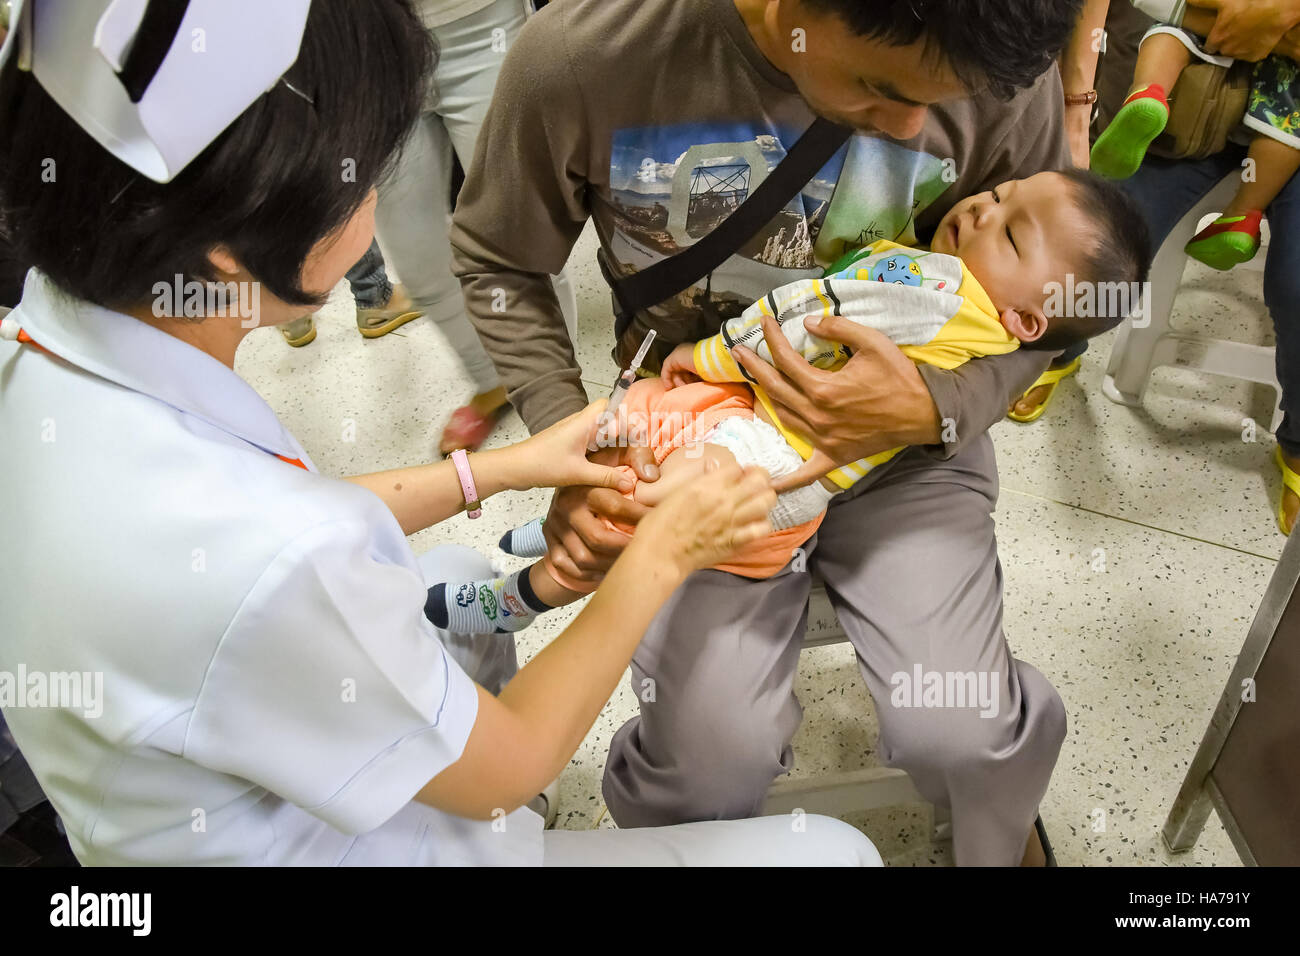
<point x="460" y="459"/>
<point x="1081" y="99"/>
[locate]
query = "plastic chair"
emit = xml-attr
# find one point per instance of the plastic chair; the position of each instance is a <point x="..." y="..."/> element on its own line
<point x="1140" y="347"/>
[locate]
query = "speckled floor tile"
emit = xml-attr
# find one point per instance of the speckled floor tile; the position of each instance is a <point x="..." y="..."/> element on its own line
<point x="1179" y="462"/>
<point x="1169" y="497"/>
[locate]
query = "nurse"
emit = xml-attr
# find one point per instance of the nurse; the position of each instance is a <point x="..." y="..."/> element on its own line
<point x="225" y="657"/>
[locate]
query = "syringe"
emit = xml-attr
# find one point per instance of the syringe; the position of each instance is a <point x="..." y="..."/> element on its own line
<point x="623" y="383"/>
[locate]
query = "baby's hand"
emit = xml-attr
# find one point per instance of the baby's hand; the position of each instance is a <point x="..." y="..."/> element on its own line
<point x="679" y="367"/>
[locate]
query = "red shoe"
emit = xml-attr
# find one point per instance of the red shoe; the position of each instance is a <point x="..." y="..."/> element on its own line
<point x="468" y="429"/>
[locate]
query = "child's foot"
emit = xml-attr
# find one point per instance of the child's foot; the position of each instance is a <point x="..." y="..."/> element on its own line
<point x="1120" y="149"/>
<point x="526" y="541"/>
<point x="494" y="606"/>
<point x="1228" y="241"/>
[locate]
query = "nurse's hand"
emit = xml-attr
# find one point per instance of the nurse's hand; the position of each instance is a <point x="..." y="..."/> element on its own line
<point x="557" y="456"/>
<point x="709" y="520"/>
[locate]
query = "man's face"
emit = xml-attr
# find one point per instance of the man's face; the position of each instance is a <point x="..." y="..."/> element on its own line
<point x="855" y="81"/>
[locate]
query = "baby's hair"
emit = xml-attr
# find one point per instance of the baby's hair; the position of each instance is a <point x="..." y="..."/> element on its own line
<point x="1117" y="252"/>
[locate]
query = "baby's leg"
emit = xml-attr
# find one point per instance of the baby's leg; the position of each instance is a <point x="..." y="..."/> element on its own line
<point x="496" y="605"/>
<point x="550" y="591"/>
<point x="1122" y="146"/>
<point x="1273" y="163"/>
<point x="682" y="467"/>
<point x="1161" y="59"/>
<point x="1234" y="237"/>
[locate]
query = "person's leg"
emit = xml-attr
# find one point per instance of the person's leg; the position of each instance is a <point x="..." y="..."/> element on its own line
<point x="411" y="219"/>
<point x="1120" y="148"/>
<point x="714" y="678"/>
<point x="1281" y="293"/>
<point x="808" y="840"/>
<point x="911" y="567"/>
<point x="1274" y="164"/>
<point x="1234" y="237"/>
<point x="464" y="85"/>
<point x="488" y="658"/>
<point x="369" y="279"/>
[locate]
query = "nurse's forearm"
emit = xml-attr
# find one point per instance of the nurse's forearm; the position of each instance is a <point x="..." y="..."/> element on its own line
<point x="423" y="495"/>
<point x="524" y="738"/>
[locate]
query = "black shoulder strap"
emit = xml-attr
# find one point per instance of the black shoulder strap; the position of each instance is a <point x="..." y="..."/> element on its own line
<point x="670" y="276"/>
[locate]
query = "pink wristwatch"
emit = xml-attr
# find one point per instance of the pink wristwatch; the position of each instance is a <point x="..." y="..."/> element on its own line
<point x="460" y="459"/>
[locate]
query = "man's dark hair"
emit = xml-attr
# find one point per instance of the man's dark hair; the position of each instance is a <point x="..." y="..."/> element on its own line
<point x="269" y="188"/>
<point x="1004" y="45"/>
<point x="1115" y="256"/>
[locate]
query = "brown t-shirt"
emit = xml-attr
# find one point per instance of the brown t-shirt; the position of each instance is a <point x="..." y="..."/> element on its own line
<point x="656" y="118"/>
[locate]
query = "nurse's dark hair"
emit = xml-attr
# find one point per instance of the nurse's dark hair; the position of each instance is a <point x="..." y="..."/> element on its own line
<point x="274" y="184"/>
<point x="1004" y="45"/>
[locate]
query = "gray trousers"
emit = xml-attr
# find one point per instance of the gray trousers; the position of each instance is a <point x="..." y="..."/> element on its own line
<point x="795" y="840"/>
<point x="910" y="564"/>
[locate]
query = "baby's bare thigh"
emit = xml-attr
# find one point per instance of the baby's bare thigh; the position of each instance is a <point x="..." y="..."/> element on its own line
<point x="682" y="467"/>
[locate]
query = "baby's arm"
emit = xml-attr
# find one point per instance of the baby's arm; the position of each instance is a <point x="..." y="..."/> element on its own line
<point x="679" y="367"/>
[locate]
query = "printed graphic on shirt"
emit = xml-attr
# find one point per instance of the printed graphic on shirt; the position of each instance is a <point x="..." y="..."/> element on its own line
<point x="911" y="267"/>
<point x="883" y="188"/>
<point x="670" y="186"/>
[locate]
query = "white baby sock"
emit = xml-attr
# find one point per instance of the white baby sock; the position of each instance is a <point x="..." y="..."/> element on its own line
<point x="799" y="505"/>
<point x="491" y="606"/>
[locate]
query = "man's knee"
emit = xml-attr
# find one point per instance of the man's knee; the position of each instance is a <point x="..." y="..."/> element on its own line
<point x="950" y="743"/>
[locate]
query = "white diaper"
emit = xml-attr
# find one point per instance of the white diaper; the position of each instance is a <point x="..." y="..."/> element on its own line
<point x="755" y="442"/>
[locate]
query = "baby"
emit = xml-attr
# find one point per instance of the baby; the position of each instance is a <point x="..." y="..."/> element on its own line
<point x="992" y="282"/>
<point x="1272" y="115"/>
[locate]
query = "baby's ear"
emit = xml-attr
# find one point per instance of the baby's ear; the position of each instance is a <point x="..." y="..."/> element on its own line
<point x="1028" y="325"/>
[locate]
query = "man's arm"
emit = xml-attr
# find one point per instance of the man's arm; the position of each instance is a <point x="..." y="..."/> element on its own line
<point x="1078" y="66"/>
<point x="973" y="397"/>
<point x="520" y="211"/>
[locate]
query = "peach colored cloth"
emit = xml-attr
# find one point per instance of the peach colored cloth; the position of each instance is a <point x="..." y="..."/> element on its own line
<point x="668" y="419"/>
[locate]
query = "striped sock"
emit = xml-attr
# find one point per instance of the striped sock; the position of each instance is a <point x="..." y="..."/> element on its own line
<point x="526" y="541"/>
<point x="490" y="606"/>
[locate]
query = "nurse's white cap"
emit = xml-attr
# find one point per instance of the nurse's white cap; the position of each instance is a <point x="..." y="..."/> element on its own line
<point x="155" y="105"/>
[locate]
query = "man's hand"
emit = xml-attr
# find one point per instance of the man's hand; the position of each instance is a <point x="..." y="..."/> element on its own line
<point x="1249" y="29"/>
<point x="877" y="401"/>
<point x="1289" y="46"/>
<point x="577" y="541"/>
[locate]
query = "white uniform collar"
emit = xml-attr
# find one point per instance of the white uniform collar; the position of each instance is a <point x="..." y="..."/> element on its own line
<point x="138" y="356"/>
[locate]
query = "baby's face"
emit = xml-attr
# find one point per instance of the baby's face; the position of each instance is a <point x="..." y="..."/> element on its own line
<point x="1016" y="240"/>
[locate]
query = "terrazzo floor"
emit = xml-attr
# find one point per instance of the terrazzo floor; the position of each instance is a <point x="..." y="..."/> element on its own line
<point x="1136" y="544"/>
